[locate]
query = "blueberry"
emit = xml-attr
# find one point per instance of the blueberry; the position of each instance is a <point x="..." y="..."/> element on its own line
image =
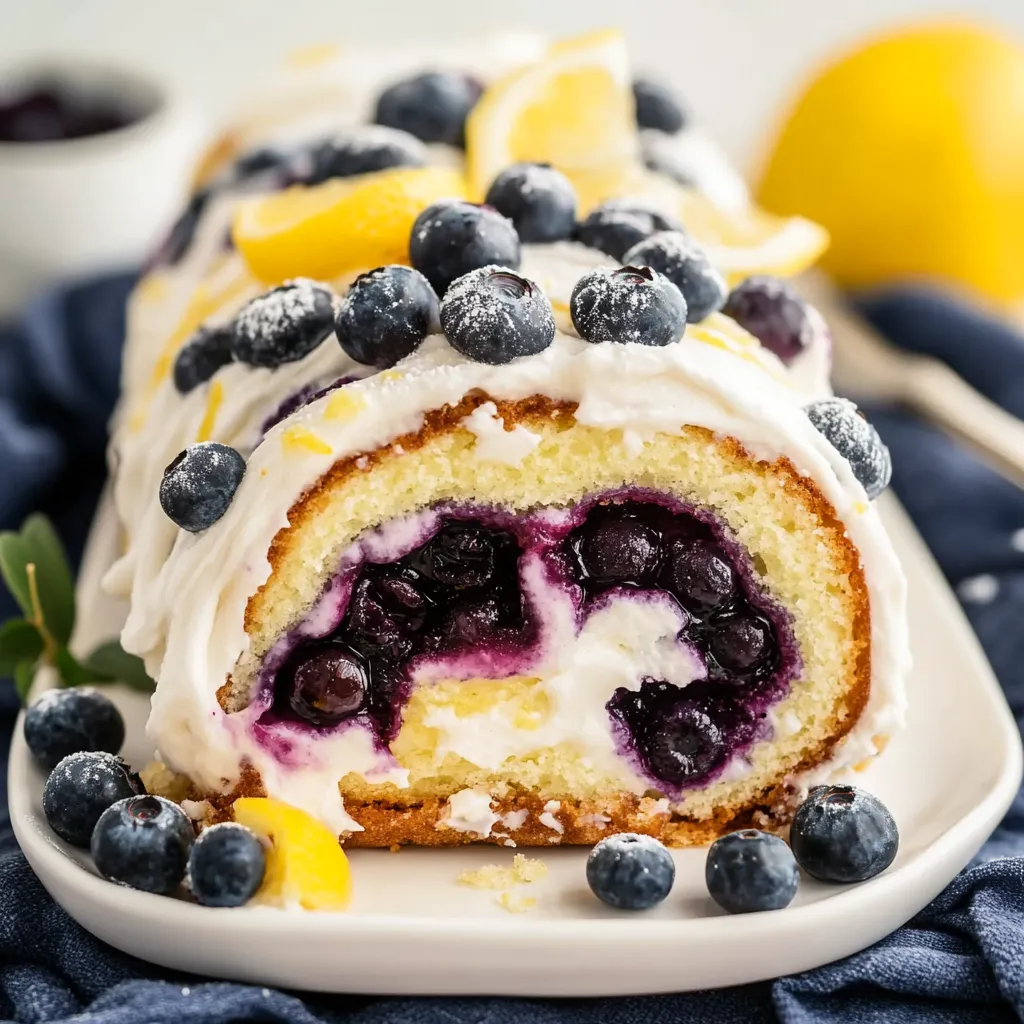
<point x="657" y="107"/>
<point x="259" y="161"/>
<point x="620" y="550"/>
<point x="453" y="237"/>
<point x="684" y="744"/>
<point x="843" y="834"/>
<point x="749" y="871"/>
<point x="200" y="483"/>
<point x="700" y="576"/>
<point x="460" y="555"/>
<point x="630" y="871"/>
<point x="364" y="150"/>
<point x="493" y="315"/>
<point x="143" y="842"/>
<point x="539" y="201"/>
<point x="432" y="106"/>
<point x="383" y="614"/>
<point x="81" y="788"/>
<point x="630" y="304"/>
<point x="675" y="255"/>
<point x="741" y="642"/>
<point x="386" y="315"/>
<point x="328" y="685"/>
<point x="856" y="440"/>
<point x="183" y="231"/>
<point x="471" y="622"/>
<point x="202" y="356"/>
<point x="617" y="225"/>
<point x="773" y="313"/>
<point x="226" y="866"/>
<point x="283" y="325"/>
<point x="63" y="722"/>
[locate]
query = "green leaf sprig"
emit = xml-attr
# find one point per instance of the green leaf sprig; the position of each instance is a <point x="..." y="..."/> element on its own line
<point x="35" y="569"/>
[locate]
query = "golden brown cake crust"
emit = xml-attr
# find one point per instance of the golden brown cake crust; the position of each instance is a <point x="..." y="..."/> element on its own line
<point x="388" y="822"/>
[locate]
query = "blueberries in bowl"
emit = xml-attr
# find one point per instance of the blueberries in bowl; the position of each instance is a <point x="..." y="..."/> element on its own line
<point x="80" y="788"/>
<point x="675" y="255"/>
<point x="433" y="106"/>
<point x="63" y="722"/>
<point x="452" y="237"/>
<point x="143" y="842"/>
<point x="386" y="315"/>
<point x="749" y="871"/>
<point x="630" y="871"/>
<point x="843" y="834"/>
<point x="492" y="315"/>
<point x="619" y="224"/>
<point x="628" y="304"/>
<point x="539" y="200"/>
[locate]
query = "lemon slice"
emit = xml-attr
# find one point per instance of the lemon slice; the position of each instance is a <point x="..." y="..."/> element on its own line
<point x="305" y="864"/>
<point x="573" y="109"/>
<point x="345" y="224"/>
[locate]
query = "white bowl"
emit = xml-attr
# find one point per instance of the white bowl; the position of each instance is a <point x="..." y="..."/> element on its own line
<point x="78" y="206"/>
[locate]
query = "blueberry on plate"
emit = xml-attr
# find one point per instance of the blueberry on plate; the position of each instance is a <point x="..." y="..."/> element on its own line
<point x="226" y="865"/>
<point x="773" y="312"/>
<point x="630" y="871"/>
<point x="199" y="485"/>
<point x="432" y="106"/>
<point x="386" y="315"/>
<point x="539" y="200"/>
<point x="453" y="237"/>
<point x="856" y="440"/>
<point x="63" y="722"/>
<point x="81" y="788"/>
<point x="843" y="834"/>
<point x="657" y="107"/>
<point x="365" y="150"/>
<point x="143" y="842"/>
<point x="493" y="315"/>
<point x="749" y="871"/>
<point x="283" y="325"/>
<point x="679" y="258"/>
<point x="628" y="304"/>
<point x="617" y="225"/>
<point x="202" y="356"/>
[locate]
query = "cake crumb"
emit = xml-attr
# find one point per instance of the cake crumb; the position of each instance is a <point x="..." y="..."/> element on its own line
<point x="159" y="780"/>
<point x="516" y="904"/>
<point x="523" y="871"/>
<point x="395" y="848"/>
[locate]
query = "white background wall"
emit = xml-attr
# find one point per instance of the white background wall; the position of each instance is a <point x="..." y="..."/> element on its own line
<point x="735" y="60"/>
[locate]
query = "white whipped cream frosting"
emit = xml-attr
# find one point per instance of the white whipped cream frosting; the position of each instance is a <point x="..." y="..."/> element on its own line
<point x="188" y="614"/>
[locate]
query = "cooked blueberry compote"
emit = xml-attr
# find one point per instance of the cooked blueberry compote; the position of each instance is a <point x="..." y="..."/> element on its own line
<point x="458" y="589"/>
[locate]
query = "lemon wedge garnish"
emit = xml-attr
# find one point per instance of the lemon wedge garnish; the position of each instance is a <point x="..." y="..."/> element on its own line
<point x="344" y="224"/>
<point x="573" y="109"/>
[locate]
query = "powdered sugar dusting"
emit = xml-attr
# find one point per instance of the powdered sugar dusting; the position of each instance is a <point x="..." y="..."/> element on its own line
<point x="280" y="310"/>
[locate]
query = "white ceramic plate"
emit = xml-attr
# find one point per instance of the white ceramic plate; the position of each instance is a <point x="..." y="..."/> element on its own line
<point x="948" y="779"/>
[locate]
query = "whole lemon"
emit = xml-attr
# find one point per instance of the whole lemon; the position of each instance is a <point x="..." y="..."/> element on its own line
<point x="910" y="151"/>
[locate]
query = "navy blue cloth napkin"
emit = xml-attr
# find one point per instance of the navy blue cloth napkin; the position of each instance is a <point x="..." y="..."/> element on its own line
<point x="961" y="960"/>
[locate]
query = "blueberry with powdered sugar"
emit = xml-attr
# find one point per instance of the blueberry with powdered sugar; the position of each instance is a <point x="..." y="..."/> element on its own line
<point x="80" y="788"/>
<point x="283" y="325"/>
<point x="386" y="315"/>
<point x="630" y="871"/>
<point x="63" y="722"/>
<point x="365" y="150"/>
<point x="493" y="315"/>
<point x="750" y="871"/>
<point x="199" y="485"/>
<point x="773" y="312"/>
<point x="846" y="429"/>
<point x="202" y="356"/>
<point x="538" y="199"/>
<point x="628" y="304"/>
<point x="452" y="237"/>
<point x="657" y="107"/>
<point x="432" y="106"/>
<point x="619" y="224"/>
<point x="679" y="258"/>
<point x="225" y="866"/>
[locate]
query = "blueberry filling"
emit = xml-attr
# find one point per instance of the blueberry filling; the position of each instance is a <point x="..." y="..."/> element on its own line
<point x="459" y="592"/>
